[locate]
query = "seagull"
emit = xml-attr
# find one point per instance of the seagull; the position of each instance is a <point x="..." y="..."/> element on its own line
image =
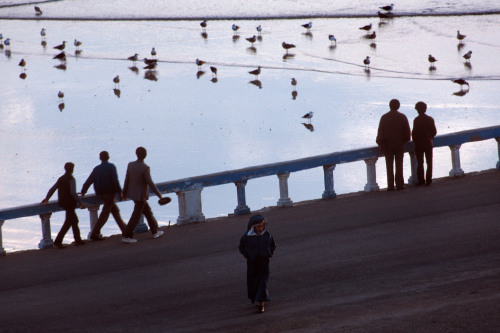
<point x="38" y="11"/>
<point x="461" y="82"/>
<point x="61" y="46"/>
<point x="432" y="60"/>
<point x="7" y="43"/>
<point x="460" y="36"/>
<point x="203" y="24"/>
<point x="287" y="46"/>
<point x="367" y="62"/>
<point x="308" y="25"/>
<point x="387" y="8"/>
<point x="133" y="58"/>
<point x="332" y="39"/>
<point x="214" y="71"/>
<point x="60" y="94"/>
<point x="308" y="116"/>
<point x="467" y="56"/>
<point x="153" y="52"/>
<point x="367" y="27"/>
<point x="77" y="44"/>
<point x="373" y="35"/>
<point x="116" y="80"/>
<point x="199" y="63"/>
<point x="259" y="29"/>
<point x="235" y="28"/>
<point x="22" y="63"/>
<point x="43" y="33"/>
<point x="252" y="39"/>
<point x="294" y="83"/>
<point x="61" y="56"/>
<point x="255" y="72"/>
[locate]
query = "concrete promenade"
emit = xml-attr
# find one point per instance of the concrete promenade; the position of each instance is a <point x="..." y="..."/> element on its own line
<point x="425" y="259"/>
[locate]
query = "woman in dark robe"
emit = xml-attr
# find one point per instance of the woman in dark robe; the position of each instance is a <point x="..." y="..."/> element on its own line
<point x="257" y="246"/>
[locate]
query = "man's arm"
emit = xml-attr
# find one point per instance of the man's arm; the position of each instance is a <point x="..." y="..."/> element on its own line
<point x="152" y="185"/>
<point x="49" y="194"/>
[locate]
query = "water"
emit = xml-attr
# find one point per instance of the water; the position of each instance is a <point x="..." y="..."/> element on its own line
<point x="192" y="126"/>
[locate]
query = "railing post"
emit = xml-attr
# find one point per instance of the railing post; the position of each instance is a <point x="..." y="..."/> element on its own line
<point x="413" y="163"/>
<point x="2" y="250"/>
<point x="456" y="170"/>
<point x="498" y="144"/>
<point x="46" y="242"/>
<point x="93" y="216"/>
<point x="242" y="207"/>
<point x="329" y="192"/>
<point x="371" y="175"/>
<point x="284" y="200"/>
<point x="190" y="206"/>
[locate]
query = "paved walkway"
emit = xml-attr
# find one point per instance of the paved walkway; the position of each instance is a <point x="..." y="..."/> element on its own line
<point x="423" y="259"/>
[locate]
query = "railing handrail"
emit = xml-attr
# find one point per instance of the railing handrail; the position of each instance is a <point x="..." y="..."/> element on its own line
<point x="239" y="175"/>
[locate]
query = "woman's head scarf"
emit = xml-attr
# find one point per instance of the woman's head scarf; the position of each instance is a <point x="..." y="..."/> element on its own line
<point x="256" y="219"/>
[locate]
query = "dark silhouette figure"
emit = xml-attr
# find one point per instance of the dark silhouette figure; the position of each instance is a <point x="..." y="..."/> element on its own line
<point x="393" y="133"/>
<point x="68" y="200"/>
<point x="424" y="131"/>
<point x="106" y="187"/>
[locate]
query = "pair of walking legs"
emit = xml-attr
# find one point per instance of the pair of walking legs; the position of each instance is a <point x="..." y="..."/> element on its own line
<point x="390" y="157"/>
<point x="141" y="208"/>
<point x="109" y="207"/>
<point x="71" y="221"/>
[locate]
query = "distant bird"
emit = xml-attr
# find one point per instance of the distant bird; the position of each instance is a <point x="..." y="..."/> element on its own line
<point x="61" y="46"/>
<point x="388" y="8"/>
<point x="38" y="11"/>
<point x="467" y="56"/>
<point x="43" y="33"/>
<point x="203" y="24"/>
<point x="6" y="42"/>
<point x="235" y="28"/>
<point x="332" y="39"/>
<point x="22" y="63"/>
<point x="252" y="39"/>
<point x="1" y="36"/>
<point x="77" y="44"/>
<point x="61" y="56"/>
<point x="60" y="94"/>
<point x="133" y="58"/>
<point x="431" y="59"/>
<point x="116" y="80"/>
<point x="460" y="36"/>
<point x="373" y="35"/>
<point x="308" y="116"/>
<point x="367" y="62"/>
<point x="199" y="63"/>
<point x="153" y="52"/>
<point x="287" y="46"/>
<point x="367" y="27"/>
<point x="259" y="29"/>
<point x="308" y="25"/>
<point x="294" y="83"/>
<point x="255" y="72"/>
<point x="461" y="82"/>
<point x="214" y="71"/>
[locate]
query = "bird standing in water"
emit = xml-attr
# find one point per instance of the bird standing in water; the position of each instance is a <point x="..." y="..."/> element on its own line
<point x="388" y="8"/>
<point x="259" y="29"/>
<point x="255" y="72"/>
<point x="252" y="39"/>
<point x="308" y="116"/>
<point x="60" y="94"/>
<point x="133" y="58"/>
<point x="460" y="37"/>
<point x="38" y="11"/>
<point x="153" y="52"/>
<point x="22" y="63"/>
<point x="367" y="62"/>
<point x="235" y="28"/>
<point x="287" y="46"/>
<point x="366" y="27"/>
<point x="467" y="56"/>
<point x="199" y="63"/>
<point x="116" y="80"/>
<point x="203" y="24"/>
<point x="332" y="39"/>
<point x="308" y="25"/>
<point x="294" y="83"/>
<point x="214" y="71"/>
<point x="77" y="44"/>
<point x="461" y="82"/>
<point x="431" y="59"/>
<point x="43" y="33"/>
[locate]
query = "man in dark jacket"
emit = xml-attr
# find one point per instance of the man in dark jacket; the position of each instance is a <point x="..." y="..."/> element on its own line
<point x="393" y="133"/>
<point x="68" y="200"/>
<point x="424" y="131"/>
<point x="106" y="187"/>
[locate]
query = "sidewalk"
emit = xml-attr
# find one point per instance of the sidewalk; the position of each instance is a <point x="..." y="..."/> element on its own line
<point x="424" y="259"/>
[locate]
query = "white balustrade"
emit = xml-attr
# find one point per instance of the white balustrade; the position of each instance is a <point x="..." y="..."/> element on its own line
<point x="46" y="242"/>
<point x="371" y="175"/>
<point x="329" y="192"/>
<point x="190" y="209"/>
<point x="284" y="200"/>
<point x="2" y="250"/>
<point x="456" y="170"/>
<point x="242" y="207"/>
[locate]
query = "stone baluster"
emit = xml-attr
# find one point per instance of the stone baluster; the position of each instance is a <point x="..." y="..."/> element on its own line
<point x="371" y="175"/>
<point x="93" y="216"/>
<point x="46" y="242"/>
<point x="329" y="192"/>
<point x="242" y="207"/>
<point x="498" y="144"/>
<point x="413" y="163"/>
<point x="2" y="250"/>
<point x="190" y="209"/>
<point x="456" y="170"/>
<point x="284" y="200"/>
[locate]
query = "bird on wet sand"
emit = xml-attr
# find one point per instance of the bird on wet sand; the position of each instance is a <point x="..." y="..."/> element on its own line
<point x="388" y="8"/>
<point x="60" y="56"/>
<point x="38" y="11"/>
<point x="460" y="37"/>
<point x="77" y="44"/>
<point x="294" y="83"/>
<point x="203" y="24"/>
<point x="43" y="33"/>
<point x="153" y="52"/>
<point x="252" y="39"/>
<point x="22" y="63"/>
<point x="367" y="27"/>
<point x="367" y="62"/>
<point x="431" y="59"/>
<point x="214" y="71"/>
<point x="308" y="116"/>
<point x="373" y="35"/>
<point x="6" y="42"/>
<point x="255" y="72"/>
<point x="287" y="46"/>
<point x="467" y="56"/>
<point x="60" y="46"/>
<point x="199" y="63"/>
<point x="133" y="58"/>
<point x="332" y="39"/>
<point x="308" y="25"/>
<point x="235" y="28"/>
<point x="60" y="94"/>
<point x="461" y="82"/>
<point x="116" y="80"/>
<point x="259" y="29"/>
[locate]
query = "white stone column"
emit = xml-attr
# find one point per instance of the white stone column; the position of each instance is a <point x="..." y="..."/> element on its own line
<point x="46" y="242"/>
<point x="93" y="216"/>
<point x="2" y="250"/>
<point x="371" y="175"/>
<point x="456" y="170"/>
<point x="498" y="144"/>
<point x="329" y="192"/>
<point x="242" y="207"/>
<point x="190" y="209"/>
<point x="284" y="200"/>
<point x="413" y="162"/>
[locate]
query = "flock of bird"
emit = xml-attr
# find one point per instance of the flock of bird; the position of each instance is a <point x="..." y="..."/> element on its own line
<point x="151" y="63"/>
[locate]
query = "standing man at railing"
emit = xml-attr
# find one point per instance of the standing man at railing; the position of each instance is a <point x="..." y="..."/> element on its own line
<point x="136" y="187"/>
<point x="393" y="133"/>
<point x="106" y="187"/>
<point x="68" y="200"/>
<point x="424" y="131"/>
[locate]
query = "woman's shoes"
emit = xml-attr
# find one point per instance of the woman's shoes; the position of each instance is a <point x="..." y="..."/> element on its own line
<point x="261" y="307"/>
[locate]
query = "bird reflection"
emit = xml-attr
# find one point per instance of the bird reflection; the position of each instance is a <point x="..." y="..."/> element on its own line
<point x="150" y="66"/>
<point x="460" y="46"/>
<point x="309" y="126"/>
<point x="373" y="35"/>
<point x="134" y="69"/>
<point x="294" y="94"/>
<point x="214" y="80"/>
<point x="61" y="56"/>
<point x="468" y="65"/>
<point x="373" y="45"/>
<point x="61" y="67"/>
<point x="332" y="47"/>
<point x="23" y="75"/>
<point x="61" y="106"/>
<point x="204" y="35"/>
<point x="461" y="93"/>
<point x="308" y="34"/>
<point x="287" y="56"/>
<point x="43" y="43"/>
<point x="462" y="83"/>
<point x="117" y="92"/>
<point x="252" y="50"/>
<point x="8" y="53"/>
<point x="78" y="53"/>
<point x="150" y="75"/>
<point x="259" y="38"/>
<point x="236" y="38"/>
<point x="256" y="83"/>
<point x="199" y="74"/>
